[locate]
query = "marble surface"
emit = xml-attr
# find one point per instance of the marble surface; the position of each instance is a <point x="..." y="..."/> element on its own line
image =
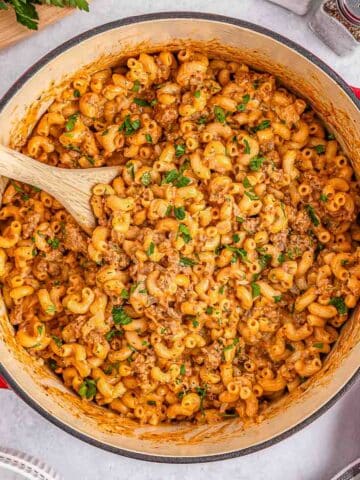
<point x="315" y="453"/>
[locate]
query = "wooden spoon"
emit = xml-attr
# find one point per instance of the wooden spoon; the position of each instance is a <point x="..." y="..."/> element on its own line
<point x="71" y="187"/>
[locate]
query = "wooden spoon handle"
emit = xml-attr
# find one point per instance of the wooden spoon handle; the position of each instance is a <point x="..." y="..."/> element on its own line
<point x="71" y="187"/>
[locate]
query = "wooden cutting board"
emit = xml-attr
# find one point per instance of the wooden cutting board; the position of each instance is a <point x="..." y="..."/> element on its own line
<point x="11" y="31"/>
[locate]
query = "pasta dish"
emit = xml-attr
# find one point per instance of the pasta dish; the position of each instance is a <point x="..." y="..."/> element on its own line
<point x="225" y="257"/>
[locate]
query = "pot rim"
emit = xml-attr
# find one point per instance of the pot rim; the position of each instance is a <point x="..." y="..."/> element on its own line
<point x="19" y="83"/>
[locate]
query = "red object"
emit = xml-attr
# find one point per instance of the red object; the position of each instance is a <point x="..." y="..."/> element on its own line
<point x="356" y="91"/>
<point x="3" y="384"/>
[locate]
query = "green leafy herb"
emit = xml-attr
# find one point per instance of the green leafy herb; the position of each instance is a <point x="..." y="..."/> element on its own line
<point x="146" y="179"/>
<point x="202" y="121"/>
<point x="179" y="150"/>
<point x="53" y="242"/>
<point x="120" y="317"/>
<point x="239" y="219"/>
<point x="187" y="262"/>
<point x="182" y="369"/>
<point x="311" y="212"/>
<point x="148" y="138"/>
<point x="209" y="310"/>
<point x="255" y="290"/>
<point x="151" y="402"/>
<point x="264" y="260"/>
<point x="58" y="342"/>
<point x="330" y="136"/>
<point x="256" y="163"/>
<point x="113" y="333"/>
<point x="176" y="178"/>
<point x="251" y="195"/>
<point x="219" y="114"/>
<point x="52" y="364"/>
<point x="40" y="329"/>
<point x="51" y="309"/>
<point x="26" y="12"/>
<point x="247" y="146"/>
<point x="18" y="189"/>
<point x="87" y="389"/>
<point x="141" y="102"/>
<point x="129" y="126"/>
<point x="323" y="198"/>
<point x="130" y="168"/>
<point x="150" y="250"/>
<point x="76" y="93"/>
<point x="318" y="345"/>
<point x="136" y="86"/>
<point x="168" y="210"/>
<point x="202" y="394"/>
<point x="105" y="132"/>
<point x="344" y="262"/>
<point x="183" y="229"/>
<point x="339" y="304"/>
<point x="256" y="84"/>
<point x="277" y="298"/>
<point x="179" y="213"/>
<point x="153" y="102"/>
<point x="320" y="149"/>
<point x="246" y="183"/>
<point x="195" y="323"/>
<point x="236" y="238"/>
<point x="197" y="94"/>
<point x="232" y="345"/>
<point x="262" y="126"/>
<point x="239" y="252"/>
<point x="70" y="123"/>
<point x="34" y="252"/>
<point x="242" y="106"/>
<point x="281" y="258"/>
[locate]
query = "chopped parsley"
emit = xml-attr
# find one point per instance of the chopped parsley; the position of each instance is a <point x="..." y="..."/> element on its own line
<point x="251" y="195"/>
<point x="318" y="345"/>
<point x="87" y="389"/>
<point x="255" y="290"/>
<point x="256" y="163"/>
<point x="236" y="238"/>
<point x="58" y="342"/>
<point x="150" y="250"/>
<point x="195" y="323"/>
<point x="182" y="369"/>
<point x="51" y="309"/>
<point x="242" y="106"/>
<point x="129" y="126"/>
<point x="176" y="178"/>
<point x="113" y="333"/>
<point x="262" y="126"/>
<point x="209" y="310"/>
<point x="151" y="402"/>
<point x="136" y="86"/>
<point x="18" y="189"/>
<point x="148" y="138"/>
<point x="130" y="168"/>
<point x="239" y="219"/>
<point x="187" y="262"/>
<point x="323" y="198"/>
<point x="232" y="345"/>
<point x="264" y="260"/>
<point x="53" y="242"/>
<point x="120" y="317"/>
<point x="320" y="149"/>
<point x="281" y="258"/>
<point x="76" y="93"/>
<point x="197" y="94"/>
<point x="124" y="294"/>
<point x="179" y="150"/>
<point x="141" y="102"/>
<point x="312" y="215"/>
<point x="183" y="229"/>
<point x="71" y="121"/>
<point x="168" y="210"/>
<point x="238" y="252"/>
<point x="277" y="298"/>
<point x="146" y="179"/>
<point x="339" y="304"/>
<point x="247" y="146"/>
<point x="219" y="114"/>
<point x="179" y="213"/>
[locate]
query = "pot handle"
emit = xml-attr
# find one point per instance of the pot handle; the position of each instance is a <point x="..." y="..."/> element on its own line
<point x="356" y="91"/>
<point x="3" y="384"/>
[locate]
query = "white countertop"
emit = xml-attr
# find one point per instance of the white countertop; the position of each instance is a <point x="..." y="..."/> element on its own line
<point x="316" y="452"/>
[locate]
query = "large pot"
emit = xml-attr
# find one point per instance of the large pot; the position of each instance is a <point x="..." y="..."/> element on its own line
<point x="297" y="69"/>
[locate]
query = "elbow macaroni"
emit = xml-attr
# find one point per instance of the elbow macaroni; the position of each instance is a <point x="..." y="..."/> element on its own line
<point x="225" y="256"/>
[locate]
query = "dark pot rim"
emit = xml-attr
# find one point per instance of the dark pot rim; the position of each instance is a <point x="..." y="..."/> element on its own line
<point x="148" y="18"/>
